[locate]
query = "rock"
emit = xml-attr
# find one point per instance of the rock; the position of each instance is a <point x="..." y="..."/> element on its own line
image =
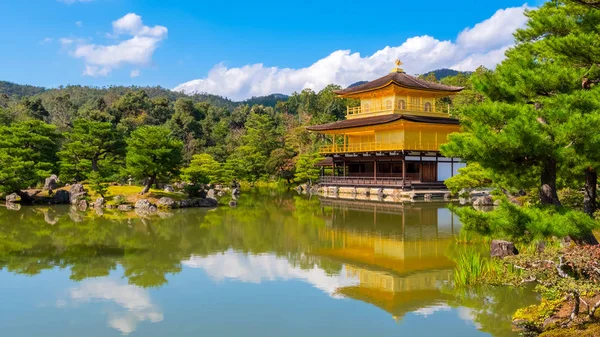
<point x="232" y="203"/>
<point x="501" y="248"/>
<point x="427" y="197"/>
<point x="99" y="211"/>
<point x="208" y="202"/>
<point x="125" y="208"/>
<point x="165" y="202"/>
<point x="51" y="183"/>
<point x="143" y="204"/>
<point x="61" y="197"/>
<point x="82" y="205"/>
<point x="169" y="188"/>
<point x="211" y="194"/>
<point x="111" y="206"/>
<point x="12" y="198"/>
<point x="485" y="200"/>
<point x="99" y="202"/>
<point x="76" y="193"/>
<point x="12" y="206"/>
<point x="540" y="246"/>
<point x="235" y="191"/>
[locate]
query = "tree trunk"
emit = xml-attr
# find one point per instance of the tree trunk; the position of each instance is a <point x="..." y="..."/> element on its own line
<point x="589" y="196"/>
<point x="548" y="194"/>
<point x="151" y="181"/>
<point x="95" y="164"/>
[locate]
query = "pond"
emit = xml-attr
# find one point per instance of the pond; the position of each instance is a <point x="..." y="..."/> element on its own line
<point x="279" y="264"/>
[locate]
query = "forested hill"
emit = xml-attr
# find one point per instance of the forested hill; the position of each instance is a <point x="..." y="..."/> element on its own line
<point x="19" y="90"/>
<point x="440" y="74"/>
<point x="80" y="94"/>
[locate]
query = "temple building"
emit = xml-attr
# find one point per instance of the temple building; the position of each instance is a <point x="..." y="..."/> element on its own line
<point x="393" y="137"/>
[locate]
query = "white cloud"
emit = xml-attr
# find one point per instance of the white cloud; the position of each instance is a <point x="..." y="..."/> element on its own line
<point x="66" y="41"/>
<point x="135" y="301"/>
<point x="47" y="40"/>
<point x="484" y="43"/>
<point x="134" y="73"/>
<point x="78" y="23"/>
<point x="267" y="267"/>
<point x="137" y="50"/>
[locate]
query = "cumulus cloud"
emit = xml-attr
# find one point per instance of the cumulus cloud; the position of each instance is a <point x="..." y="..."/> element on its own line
<point x="135" y="302"/>
<point x="267" y="267"/>
<point x="136" y="49"/>
<point x="482" y="44"/>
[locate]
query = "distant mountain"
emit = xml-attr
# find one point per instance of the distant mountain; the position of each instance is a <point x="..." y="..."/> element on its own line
<point x="355" y="84"/>
<point x="445" y="72"/>
<point x="269" y="100"/>
<point x="80" y="94"/>
<point x="19" y="90"/>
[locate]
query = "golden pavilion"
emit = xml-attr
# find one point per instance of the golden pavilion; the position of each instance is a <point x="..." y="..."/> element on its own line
<point x="393" y="137"/>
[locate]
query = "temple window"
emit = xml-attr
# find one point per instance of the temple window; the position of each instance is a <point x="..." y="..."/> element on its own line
<point x="427" y="107"/>
<point x="401" y="104"/>
<point x="388" y="104"/>
<point x="367" y="108"/>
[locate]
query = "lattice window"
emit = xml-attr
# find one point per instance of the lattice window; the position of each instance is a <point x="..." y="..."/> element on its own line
<point x="401" y="104"/>
<point x="388" y="104"/>
<point x="367" y="107"/>
<point x="427" y="107"/>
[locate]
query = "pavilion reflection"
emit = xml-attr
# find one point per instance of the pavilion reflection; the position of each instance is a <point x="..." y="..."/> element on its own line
<point x="397" y="252"/>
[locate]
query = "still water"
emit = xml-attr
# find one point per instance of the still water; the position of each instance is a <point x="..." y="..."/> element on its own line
<point x="277" y="265"/>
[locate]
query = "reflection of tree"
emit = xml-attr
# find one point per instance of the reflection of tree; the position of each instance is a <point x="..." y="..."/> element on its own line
<point x="36" y="239"/>
<point x="492" y="308"/>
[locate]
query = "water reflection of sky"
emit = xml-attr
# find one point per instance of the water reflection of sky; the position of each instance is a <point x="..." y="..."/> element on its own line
<point x="266" y="296"/>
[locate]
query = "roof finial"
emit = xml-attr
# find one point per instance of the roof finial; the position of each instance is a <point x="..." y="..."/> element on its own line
<point x="398" y="69"/>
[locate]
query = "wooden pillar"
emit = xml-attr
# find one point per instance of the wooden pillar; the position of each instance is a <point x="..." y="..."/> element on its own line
<point x="421" y="170"/>
<point x="403" y="180"/>
<point x="375" y="168"/>
<point x="344" y="163"/>
<point x="334" y="145"/>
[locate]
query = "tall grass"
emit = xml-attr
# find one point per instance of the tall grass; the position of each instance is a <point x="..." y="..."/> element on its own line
<point x="473" y="267"/>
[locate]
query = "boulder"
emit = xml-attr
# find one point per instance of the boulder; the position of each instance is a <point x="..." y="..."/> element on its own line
<point x="82" y="205"/>
<point x="211" y="194"/>
<point x="111" y="206"/>
<point x="61" y="197"/>
<point x="143" y="204"/>
<point x="99" y="202"/>
<point x="76" y="193"/>
<point x="485" y="200"/>
<point x="125" y="208"/>
<point x="169" y="188"/>
<point x="51" y="183"/>
<point x="165" y="202"/>
<point x="12" y="198"/>
<point x="501" y="248"/>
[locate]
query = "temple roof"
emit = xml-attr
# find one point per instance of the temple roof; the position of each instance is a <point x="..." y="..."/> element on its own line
<point x="378" y="120"/>
<point x="402" y="79"/>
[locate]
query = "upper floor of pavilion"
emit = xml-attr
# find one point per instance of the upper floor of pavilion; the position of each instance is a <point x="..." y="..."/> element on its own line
<point x="398" y="93"/>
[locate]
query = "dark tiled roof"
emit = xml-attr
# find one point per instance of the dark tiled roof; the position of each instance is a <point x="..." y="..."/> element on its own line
<point x="378" y="120"/>
<point x="403" y="80"/>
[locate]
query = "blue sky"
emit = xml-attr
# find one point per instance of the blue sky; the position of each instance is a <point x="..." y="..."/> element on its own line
<point x="241" y="48"/>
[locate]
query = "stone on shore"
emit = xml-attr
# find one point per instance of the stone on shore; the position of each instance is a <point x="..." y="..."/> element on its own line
<point x="76" y="193"/>
<point x="143" y="204"/>
<point x="82" y="205"/>
<point x="501" y="248"/>
<point x="12" y="198"/>
<point x="169" y="188"/>
<point x="51" y="183"/>
<point x="61" y="197"/>
<point x="125" y="208"/>
<point x="99" y="202"/>
<point x="485" y="200"/>
<point x="165" y="202"/>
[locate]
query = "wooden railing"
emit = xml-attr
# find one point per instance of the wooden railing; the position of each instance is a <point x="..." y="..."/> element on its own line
<point x="376" y="147"/>
<point x="375" y="108"/>
<point x="365" y="181"/>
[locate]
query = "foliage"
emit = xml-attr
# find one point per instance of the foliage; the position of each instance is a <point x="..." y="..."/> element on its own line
<point x="470" y="177"/>
<point x="97" y="185"/>
<point x="203" y="169"/>
<point x="527" y="224"/>
<point x="27" y="154"/>
<point x="306" y="171"/>
<point x="153" y="153"/>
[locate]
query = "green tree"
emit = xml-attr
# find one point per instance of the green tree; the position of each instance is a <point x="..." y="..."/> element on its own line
<point x="97" y="184"/>
<point x="306" y="171"/>
<point x="27" y="154"/>
<point x="88" y="147"/>
<point x="153" y="153"/>
<point x="203" y="169"/>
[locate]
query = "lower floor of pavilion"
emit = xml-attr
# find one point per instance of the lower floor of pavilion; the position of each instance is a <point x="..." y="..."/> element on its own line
<point x="400" y="169"/>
